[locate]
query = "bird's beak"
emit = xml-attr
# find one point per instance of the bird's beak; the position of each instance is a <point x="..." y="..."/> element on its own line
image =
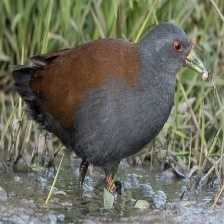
<point x="196" y="64"/>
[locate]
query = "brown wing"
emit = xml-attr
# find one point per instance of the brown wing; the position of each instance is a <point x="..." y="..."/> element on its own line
<point x="61" y="80"/>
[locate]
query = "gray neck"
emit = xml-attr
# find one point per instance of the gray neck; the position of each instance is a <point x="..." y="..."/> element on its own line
<point x="155" y="72"/>
<point x="154" y="98"/>
<point x="157" y="82"/>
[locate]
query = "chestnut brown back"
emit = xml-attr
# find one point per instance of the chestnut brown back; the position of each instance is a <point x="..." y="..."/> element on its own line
<point x="64" y="82"/>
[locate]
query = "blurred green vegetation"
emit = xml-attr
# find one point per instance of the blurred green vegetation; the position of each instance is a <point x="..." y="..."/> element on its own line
<point x="194" y="131"/>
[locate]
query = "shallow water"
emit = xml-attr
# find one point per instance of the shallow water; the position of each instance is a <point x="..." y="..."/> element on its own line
<point x="26" y="194"/>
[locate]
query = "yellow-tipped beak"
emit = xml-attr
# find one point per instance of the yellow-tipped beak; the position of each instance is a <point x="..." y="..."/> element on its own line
<point x="196" y="64"/>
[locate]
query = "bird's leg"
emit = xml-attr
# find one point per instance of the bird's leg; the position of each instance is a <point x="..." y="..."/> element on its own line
<point x="113" y="185"/>
<point x="118" y="186"/>
<point x="82" y="171"/>
<point x="110" y="188"/>
<point x="110" y="184"/>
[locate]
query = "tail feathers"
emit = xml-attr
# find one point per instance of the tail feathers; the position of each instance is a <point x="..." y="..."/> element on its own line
<point x="23" y="75"/>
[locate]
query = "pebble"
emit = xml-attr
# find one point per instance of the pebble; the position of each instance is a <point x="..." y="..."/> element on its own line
<point x="132" y="181"/>
<point x="147" y="190"/>
<point x="88" y="185"/>
<point x="159" y="200"/>
<point x="168" y="175"/>
<point x="142" y="204"/>
<point x="17" y="179"/>
<point x="3" y="195"/>
<point x="60" y="193"/>
<point x="66" y="204"/>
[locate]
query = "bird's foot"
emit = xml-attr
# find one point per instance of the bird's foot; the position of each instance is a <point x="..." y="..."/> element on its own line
<point x="110" y="184"/>
<point x="113" y="186"/>
<point x="111" y="190"/>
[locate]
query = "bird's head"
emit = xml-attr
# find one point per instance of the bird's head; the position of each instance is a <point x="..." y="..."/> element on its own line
<point x="168" y="48"/>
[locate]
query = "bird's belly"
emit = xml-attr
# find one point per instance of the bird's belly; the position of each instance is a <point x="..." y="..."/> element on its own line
<point x="113" y="125"/>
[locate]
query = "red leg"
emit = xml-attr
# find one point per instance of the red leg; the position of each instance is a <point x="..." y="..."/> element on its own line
<point x="110" y="184"/>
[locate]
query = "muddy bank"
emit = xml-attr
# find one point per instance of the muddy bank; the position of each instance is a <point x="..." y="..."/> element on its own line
<point x="22" y="197"/>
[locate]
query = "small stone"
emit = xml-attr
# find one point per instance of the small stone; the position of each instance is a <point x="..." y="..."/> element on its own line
<point x="21" y="166"/>
<point x="132" y="181"/>
<point x="61" y="217"/>
<point x="168" y="175"/>
<point x="66" y="204"/>
<point x="142" y="204"/>
<point x="17" y="179"/>
<point x="159" y="200"/>
<point x="60" y="193"/>
<point x="147" y="190"/>
<point x="3" y="194"/>
<point x="88" y="184"/>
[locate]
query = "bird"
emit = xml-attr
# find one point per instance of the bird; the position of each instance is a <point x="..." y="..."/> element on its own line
<point x="107" y="98"/>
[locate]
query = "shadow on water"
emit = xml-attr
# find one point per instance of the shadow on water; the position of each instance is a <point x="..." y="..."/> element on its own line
<point x="25" y="195"/>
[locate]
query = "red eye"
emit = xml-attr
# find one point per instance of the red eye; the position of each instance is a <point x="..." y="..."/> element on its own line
<point x="177" y="45"/>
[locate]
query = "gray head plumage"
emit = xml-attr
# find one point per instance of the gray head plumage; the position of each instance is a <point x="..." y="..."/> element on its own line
<point x="158" y="47"/>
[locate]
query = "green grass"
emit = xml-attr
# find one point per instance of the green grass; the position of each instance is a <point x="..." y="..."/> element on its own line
<point x="194" y="131"/>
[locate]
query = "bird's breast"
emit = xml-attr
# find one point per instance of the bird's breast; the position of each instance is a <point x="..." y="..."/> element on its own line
<point x="117" y="121"/>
